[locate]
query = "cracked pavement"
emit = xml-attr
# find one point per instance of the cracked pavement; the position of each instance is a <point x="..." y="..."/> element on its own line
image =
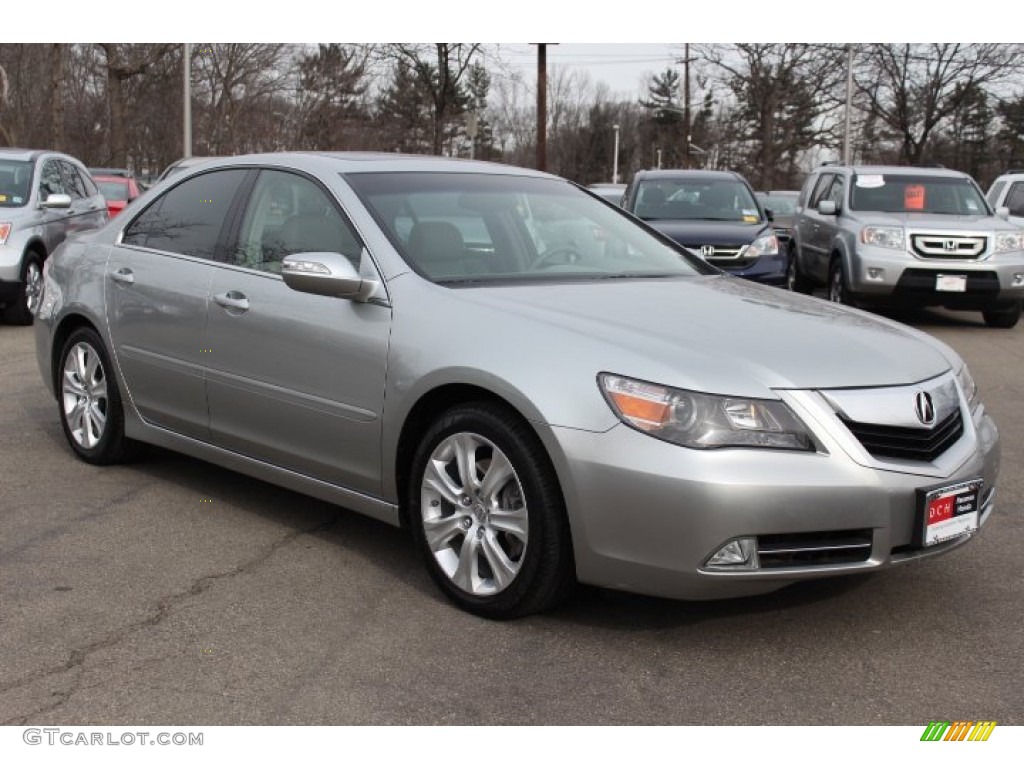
<point x="126" y="597"/>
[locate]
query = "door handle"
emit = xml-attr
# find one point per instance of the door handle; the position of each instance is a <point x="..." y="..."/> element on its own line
<point x="233" y="300"/>
<point x="123" y="275"/>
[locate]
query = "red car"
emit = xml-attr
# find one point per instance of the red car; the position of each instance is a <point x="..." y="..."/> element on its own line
<point x="118" y="191"/>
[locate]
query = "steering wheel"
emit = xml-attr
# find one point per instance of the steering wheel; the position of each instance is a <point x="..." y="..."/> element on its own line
<point x="566" y="252"/>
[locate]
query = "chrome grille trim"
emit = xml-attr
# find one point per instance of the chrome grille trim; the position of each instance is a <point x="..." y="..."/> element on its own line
<point x="939" y="246"/>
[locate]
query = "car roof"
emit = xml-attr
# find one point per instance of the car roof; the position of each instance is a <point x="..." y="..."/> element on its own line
<point x="110" y="177"/>
<point x="13" y="153"/>
<point x="688" y="173"/>
<point x="372" y="162"/>
<point x="123" y="173"/>
<point x="781" y="193"/>
<point x="864" y="170"/>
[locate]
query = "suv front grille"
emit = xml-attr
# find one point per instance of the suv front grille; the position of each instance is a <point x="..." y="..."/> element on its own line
<point x="948" y="246"/>
<point x="795" y="550"/>
<point x="883" y="441"/>
<point x="723" y="256"/>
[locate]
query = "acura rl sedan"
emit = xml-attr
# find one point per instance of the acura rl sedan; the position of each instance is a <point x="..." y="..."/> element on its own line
<point x="540" y="387"/>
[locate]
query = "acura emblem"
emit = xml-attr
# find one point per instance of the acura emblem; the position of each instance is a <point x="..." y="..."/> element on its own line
<point x="924" y="408"/>
<point x="949" y="245"/>
<point x="707" y="250"/>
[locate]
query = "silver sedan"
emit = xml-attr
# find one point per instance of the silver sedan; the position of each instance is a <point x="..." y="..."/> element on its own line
<point x="540" y="387"/>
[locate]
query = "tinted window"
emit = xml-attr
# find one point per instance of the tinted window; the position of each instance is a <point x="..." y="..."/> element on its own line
<point x="187" y="219"/>
<point x="914" y="193"/>
<point x="289" y="214"/>
<point x="51" y="182"/>
<point x="72" y="181"/>
<point x="824" y="182"/>
<point x="1015" y="199"/>
<point x="15" y="182"/>
<point x="993" y="194"/>
<point x="474" y="228"/>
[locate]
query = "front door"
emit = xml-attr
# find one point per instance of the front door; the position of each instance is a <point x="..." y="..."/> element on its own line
<point x="294" y="379"/>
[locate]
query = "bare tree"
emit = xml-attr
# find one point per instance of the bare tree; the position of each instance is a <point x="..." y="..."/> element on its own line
<point x="123" y="63"/>
<point x="913" y="88"/>
<point x="439" y="68"/>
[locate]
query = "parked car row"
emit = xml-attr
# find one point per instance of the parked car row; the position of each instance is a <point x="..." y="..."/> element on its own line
<point x="540" y="386"/>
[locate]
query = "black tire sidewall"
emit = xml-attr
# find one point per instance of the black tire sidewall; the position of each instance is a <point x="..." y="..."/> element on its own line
<point x="544" y="560"/>
<point x="110" y="448"/>
<point x="18" y="312"/>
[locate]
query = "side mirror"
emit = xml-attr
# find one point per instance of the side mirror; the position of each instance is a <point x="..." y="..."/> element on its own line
<point x="827" y="208"/>
<point x="326" y="274"/>
<point x="769" y="214"/>
<point x="1003" y="212"/>
<point x="56" y="201"/>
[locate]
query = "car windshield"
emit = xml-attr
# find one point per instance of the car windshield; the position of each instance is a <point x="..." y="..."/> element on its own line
<point x="472" y="228"/>
<point x="913" y="193"/>
<point x="15" y="183"/>
<point x="698" y="198"/>
<point x="780" y="205"/>
<point x="113" y="190"/>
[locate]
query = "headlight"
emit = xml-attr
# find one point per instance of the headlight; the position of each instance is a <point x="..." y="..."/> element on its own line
<point x="5" y="231"/>
<point x="698" y="420"/>
<point x="969" y="388"/>
<point x="1005" y="241"/>
<point x="765" y="245"/>
<point x="883" y="237"/>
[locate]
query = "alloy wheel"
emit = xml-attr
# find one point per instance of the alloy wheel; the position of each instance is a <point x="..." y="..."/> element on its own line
<point x="474" y="514"/>
<point x="84" y="395"/>
<point x="33" y="286"/>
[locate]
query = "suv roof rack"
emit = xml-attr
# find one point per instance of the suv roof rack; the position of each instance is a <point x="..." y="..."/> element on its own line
<point x="830" y="162"/>
<point x="1013" y="170"/>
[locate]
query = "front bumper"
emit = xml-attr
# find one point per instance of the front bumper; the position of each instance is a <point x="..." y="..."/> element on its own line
<point x="646" y="515"/>
<point x="886" y="274"/>
<point x="770" y="270"/>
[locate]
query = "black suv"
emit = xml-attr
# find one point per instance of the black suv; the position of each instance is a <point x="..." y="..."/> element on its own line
<point x="714" y="214"/>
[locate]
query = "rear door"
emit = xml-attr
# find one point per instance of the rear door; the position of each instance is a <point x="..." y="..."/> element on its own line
<point x="294" y="379"/>
<point x="159" y="276"/>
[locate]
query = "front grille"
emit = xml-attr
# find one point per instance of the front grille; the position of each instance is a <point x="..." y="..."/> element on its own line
<point x="948" y="246"/>
<point x="795" y="550"/>
<point x="883" y="441"/>
<point x="723" y="256"/>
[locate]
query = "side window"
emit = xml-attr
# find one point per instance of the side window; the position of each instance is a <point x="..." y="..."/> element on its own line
<point x="805" y="191"/>
<point x="72" y="181"/>
<point x="1015" y="199"/>
<point x="993" y="194"/>
<point x="289" y="214"/>
<point x="50" y="180"/>
<point x="89" y="184"/>
<point x="824" y="181"/>
<point x="835" y="193"/>
<point x="188" y="219"/>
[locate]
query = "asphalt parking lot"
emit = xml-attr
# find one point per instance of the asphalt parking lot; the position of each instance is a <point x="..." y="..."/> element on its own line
<point x="172" y="591"/>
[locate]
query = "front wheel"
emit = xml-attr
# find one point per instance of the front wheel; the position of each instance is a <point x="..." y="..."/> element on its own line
<point x="838" y="288"/>
<point x="1003" y="317"/>
<point x="796" y="280"/>
<point x="487" y="512"/>
<point x="90" y="401"/>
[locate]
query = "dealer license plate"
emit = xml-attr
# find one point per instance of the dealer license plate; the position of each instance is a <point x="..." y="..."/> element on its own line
<point x="950" y="512"/>
<point x="953" y="283"/>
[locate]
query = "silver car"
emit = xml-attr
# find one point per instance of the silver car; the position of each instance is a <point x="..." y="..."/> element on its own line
<point x="395" y="335"/>
<point x="44" y="197"/>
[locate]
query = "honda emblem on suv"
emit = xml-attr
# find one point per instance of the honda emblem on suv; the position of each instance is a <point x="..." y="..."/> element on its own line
<point x="925" y="408"/>
<point x="949" y="245"/>
<point x="707" y="251"/>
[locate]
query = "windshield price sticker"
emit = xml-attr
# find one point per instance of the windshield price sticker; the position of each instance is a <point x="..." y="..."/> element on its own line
<point x="950" y="512"/>
<point x="870" y="181"/>
<point x="913" y="197"/>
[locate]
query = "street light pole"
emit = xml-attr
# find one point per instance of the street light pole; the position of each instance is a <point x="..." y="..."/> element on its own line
<point x="849" y="100"/>
<point x="187" y="106"/>
<point x="615" y="158"/>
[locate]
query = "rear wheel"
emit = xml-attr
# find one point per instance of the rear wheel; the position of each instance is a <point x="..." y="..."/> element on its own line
<point x="487" y="513"/>
<point x="1003" y="317"/>
<point x="22" y="310"/>
<point x="91" y="412"/>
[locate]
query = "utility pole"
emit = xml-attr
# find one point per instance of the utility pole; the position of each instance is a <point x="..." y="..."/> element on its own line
<point x="615" y="156"/>
<point x="849" y="103"/>
<point x="187" y="106"/>
<point x="686" y="104"/>
<point x="542" y="106"/>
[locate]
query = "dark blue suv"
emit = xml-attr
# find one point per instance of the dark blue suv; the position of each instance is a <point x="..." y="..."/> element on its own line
<point x="715" y="214"/>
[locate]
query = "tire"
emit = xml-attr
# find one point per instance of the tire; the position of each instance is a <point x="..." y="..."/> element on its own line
<point x="838" y="287"/>
<point x="1003" y="317"/>
<point x="89" y="401"/>
<point x="499" y="566"/>
<point x="796" y="280"/>
<point x="21" y="311"/>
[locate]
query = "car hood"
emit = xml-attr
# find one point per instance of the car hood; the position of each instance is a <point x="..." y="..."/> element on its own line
<point x="699" y="232"/>
<point x="714" y="334"/>
<point x="933" y="221"/>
